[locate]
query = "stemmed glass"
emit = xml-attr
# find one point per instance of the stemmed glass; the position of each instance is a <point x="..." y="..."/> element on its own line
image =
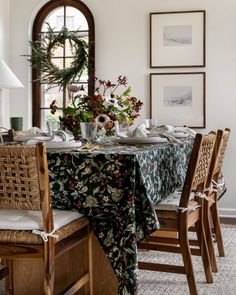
<point x="88" y="131"/>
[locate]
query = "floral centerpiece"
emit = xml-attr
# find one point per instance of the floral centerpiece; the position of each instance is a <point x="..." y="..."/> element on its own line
<point x="106" y="106"/>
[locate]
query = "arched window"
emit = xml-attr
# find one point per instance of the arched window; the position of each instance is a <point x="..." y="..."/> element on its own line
<point x="75" y="15"/>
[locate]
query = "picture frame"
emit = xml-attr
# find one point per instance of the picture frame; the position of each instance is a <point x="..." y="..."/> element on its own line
<point x="178" y="99"/>
<point x="177" y="39"/>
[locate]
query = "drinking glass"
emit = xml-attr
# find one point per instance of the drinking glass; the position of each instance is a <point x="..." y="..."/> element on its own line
<point x="150" y="123"/>
<point x="121" y="126"/>
<point x="16" y="123"/>
<point x="88" y="131"/>
<point x="52" y="127"/>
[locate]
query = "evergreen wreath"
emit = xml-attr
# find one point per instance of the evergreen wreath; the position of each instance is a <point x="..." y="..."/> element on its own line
<point x="42" y="54"/>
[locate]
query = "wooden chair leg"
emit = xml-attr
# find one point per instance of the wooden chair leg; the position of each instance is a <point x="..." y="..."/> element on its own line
<point x="90" y="254"/>
<point x="9" y="278"/>
<point x="217" y="229"/>
<point x="187" y="259"/>
<point x="49" y="266"/>
<point x="209" y="240"/>
<point x="204" y="251"/>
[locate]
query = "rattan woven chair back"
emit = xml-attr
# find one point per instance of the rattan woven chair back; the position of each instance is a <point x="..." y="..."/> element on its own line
<point x="24" y="183"/>
<point x="19" y="178"/>
<point x="198" y="167"/>
<point x="219" y="153"/>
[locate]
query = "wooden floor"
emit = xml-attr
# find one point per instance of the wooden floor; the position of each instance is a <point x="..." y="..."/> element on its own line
<point x="228" y="220"/>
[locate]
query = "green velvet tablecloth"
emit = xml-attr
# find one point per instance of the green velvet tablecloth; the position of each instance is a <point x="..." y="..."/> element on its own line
<point x="116" y="187"/>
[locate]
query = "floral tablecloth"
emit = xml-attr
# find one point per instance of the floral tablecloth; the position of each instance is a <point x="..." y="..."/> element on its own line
<point x="117" y="187"/>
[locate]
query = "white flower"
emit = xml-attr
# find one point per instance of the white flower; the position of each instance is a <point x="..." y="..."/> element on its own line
<point x="110" y="101"/>
<point x="102" y="120"/>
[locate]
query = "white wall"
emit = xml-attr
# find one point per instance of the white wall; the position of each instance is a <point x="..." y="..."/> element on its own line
<point x="122" y="47"/>
<point x="4" y="25"/>
<point x="4" y="54"/>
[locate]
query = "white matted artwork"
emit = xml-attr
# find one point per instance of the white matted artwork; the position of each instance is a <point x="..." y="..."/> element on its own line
<point x="178" y="99"/>
<point x="177" y="39"/>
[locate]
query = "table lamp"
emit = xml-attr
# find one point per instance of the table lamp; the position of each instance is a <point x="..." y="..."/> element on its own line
<point x="7" y="80"/>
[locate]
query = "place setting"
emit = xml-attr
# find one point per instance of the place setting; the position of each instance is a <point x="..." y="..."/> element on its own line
<point x="150" y="133"/>
<point x="53" y="138"/>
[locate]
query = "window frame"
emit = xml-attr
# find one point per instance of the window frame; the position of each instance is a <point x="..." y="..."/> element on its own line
<point x="37" y="25"/>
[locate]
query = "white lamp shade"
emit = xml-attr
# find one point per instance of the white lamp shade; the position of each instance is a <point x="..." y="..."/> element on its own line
<point x="7" y="78"/>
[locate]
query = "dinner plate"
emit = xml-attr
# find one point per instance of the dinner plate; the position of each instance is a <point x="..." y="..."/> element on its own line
<point x="43" y="138"/>
<point x="22" y="138"/>
<point x="36" y="138"/>
<point x="63" y="144"/>
<point x="179" y="134"/>
<point x="137" y="140"/>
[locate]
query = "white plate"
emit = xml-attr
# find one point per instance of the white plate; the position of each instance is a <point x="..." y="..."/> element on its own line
<point x="43" y="138"/>
<point x="22" y="138"/>
<point x="63" y="144"/>
<point x="179" y="134"/>
<point x="141" y="140"/>
<point x="36" y="138"/>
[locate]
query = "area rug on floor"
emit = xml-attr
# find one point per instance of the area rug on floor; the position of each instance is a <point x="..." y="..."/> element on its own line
<point x="157" y="283"/>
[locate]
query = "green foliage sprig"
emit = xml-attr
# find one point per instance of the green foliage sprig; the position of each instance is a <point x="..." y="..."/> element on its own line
<point x="41" y="57"/>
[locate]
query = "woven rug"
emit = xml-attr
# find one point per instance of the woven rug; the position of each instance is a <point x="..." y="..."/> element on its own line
<point x="157" y="283"/>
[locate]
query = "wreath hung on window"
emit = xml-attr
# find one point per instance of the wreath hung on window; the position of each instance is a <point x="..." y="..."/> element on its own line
<point x="41" y="57"/>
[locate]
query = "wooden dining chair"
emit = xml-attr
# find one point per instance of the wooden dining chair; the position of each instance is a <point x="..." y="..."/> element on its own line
<point x="212" y="216"/>
<point x="180" y="214"/>
<point x="29" y="227"/>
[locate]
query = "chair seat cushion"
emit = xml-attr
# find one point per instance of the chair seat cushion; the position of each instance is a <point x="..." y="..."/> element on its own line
<point x="171" y="203"/>
<point x="11" y="219"/>
<point x="28" y="237"/>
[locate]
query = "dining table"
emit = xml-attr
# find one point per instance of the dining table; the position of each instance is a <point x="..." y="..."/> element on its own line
<point x="117" y="186"/>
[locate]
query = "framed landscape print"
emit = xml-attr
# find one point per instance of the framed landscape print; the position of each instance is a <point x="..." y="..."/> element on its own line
<point x="178" y="99"/>
<point x="177" y="39"/>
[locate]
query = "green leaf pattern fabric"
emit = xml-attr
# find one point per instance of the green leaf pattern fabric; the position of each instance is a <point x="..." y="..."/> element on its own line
<point x="117" y="187"/>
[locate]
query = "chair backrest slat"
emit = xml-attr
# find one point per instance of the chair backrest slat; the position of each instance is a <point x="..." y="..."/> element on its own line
<point x="44" y="187"/>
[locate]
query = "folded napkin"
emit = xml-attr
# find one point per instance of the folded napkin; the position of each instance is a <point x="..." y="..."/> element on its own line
<point x="175" y="133"/>
<point x="171" y="138"/>
<point x="34" y="131"/>
<point x="35" y="135"/>
<point x="141" y="131"/>
<point x="123" y="134"/>
<point x="173" y="130"/>
<point x="62" y="135"/>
